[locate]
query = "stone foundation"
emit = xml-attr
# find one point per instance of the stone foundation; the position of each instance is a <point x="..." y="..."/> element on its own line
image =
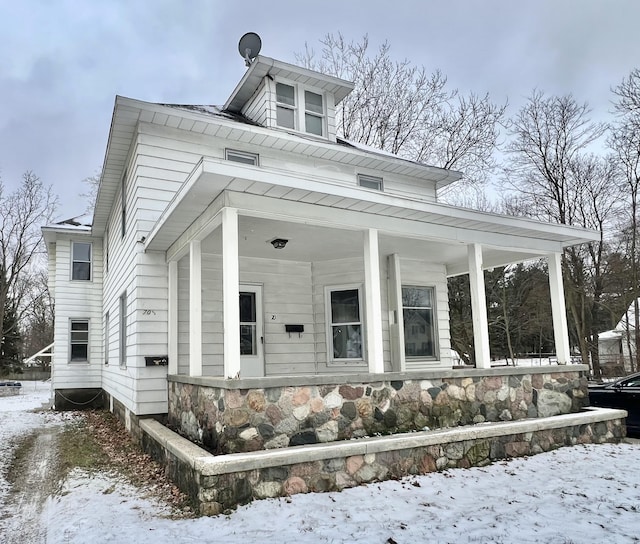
<point x="227" y="416"/>
<point x="219" y="483"/>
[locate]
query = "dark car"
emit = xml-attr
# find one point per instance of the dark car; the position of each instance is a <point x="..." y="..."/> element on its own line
<point x="624" y="394"/>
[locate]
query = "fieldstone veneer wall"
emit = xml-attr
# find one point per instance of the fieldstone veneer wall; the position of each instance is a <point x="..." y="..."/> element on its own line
<point x="229" y="416"/>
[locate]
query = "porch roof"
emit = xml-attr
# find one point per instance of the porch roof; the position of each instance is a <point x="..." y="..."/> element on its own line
<point x="408" y="226"/>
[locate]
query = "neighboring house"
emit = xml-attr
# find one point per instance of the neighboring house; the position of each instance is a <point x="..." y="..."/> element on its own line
<point x="617" y="347"/>
<point x="249" y="240"/>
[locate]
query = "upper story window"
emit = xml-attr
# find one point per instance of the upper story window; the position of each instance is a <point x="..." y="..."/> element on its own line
<point x="300" y="109"/>
<point x="241" y="156"/>
<point x="370" y="182"/>
<point x="81" y="261"/>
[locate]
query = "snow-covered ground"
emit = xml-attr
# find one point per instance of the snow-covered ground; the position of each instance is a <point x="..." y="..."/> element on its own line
<point x="572" y="495"/>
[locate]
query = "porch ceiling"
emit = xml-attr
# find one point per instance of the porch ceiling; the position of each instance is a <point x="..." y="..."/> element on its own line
<point x="325" y="219"/>
<point x="309" y="243"/>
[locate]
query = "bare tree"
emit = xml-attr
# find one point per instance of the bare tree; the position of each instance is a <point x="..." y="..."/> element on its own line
<point x="22" y="213"/>
<point x="401" y="108"/>
<point x="92" y="183"/>
<point x="625" y="143"/>
<point x="37" y="316"/>
<point x="556" y="179"/>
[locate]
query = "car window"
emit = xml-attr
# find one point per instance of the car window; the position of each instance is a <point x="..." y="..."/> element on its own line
<point x="633" y="382"/>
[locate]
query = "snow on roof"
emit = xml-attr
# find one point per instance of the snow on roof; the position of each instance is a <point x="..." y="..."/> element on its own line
<point x="218" y="111"/>
<point x="80" y="222"/>
<point x="610" y="335"/>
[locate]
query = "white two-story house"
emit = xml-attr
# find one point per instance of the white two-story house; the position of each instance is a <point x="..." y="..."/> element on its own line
<point x="250" y="241"/>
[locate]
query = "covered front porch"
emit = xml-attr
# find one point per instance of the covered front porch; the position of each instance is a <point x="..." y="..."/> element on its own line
<point x="330" y="284"/>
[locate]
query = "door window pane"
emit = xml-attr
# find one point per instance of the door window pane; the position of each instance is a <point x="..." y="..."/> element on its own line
<point x="248" y="340"/>
<point x="248" y="307"/>
<point x="248" y="325"/>
<point x="345" y="306"/>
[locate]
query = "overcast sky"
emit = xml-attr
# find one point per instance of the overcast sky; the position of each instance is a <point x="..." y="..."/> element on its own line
<point x="63" y="61"/>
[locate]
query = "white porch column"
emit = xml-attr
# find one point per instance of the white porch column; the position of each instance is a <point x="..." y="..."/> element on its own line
<point x="230" y="293"/>
<point x="558" y="309"/>
<point x="478" y="307"/>
<point x="195" y="308"/>
<point x="373" y="303"/>
<point x="396" y="318"/>
<point x="172" y="318"/>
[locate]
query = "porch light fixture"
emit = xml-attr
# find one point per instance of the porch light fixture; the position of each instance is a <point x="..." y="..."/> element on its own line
<point x="279" y="243"/>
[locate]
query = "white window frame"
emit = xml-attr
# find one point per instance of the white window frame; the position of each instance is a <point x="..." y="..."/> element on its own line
<point x="355" y="361"/>
<point x="434" y="323"/>
<point x="123" y="205"/>
<point x="105" y="244"/>
<point x="90" y="261"/>
<point x="321" y="115"/>
<point x="71" y="342"/>
<point x="122" y="330"/>
<point x="293" y="107"/>
<point x="364" y="179"/>
<point x="242" y="157"/>
<point x="106" y="338"/>
<point x="300" y="109"/>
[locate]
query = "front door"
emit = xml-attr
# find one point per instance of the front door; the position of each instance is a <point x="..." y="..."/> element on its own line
<point x="251" y="335"/>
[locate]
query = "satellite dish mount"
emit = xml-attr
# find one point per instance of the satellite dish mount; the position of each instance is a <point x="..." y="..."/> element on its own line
<point x="249" y="47"/>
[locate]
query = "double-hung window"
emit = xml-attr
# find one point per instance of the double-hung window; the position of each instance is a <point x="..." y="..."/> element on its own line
<point x="345" y="323"/>
<point x="123" y="330"/>
<point x="299" y="109"/>
<point x="418" y="316"/>
<point x="79" y="349"/>
<point x="106" y="338"/>
<point x="81" y="261"/>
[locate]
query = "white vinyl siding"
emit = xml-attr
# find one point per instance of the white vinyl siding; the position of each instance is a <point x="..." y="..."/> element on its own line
<point x="162" y="159"/>
<point x="257" y="108"/>
<point x="286" y="289"/>
<point x="76" y="300"/>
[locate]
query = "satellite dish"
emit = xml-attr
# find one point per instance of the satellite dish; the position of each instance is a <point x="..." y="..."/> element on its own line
<point x="249" y="47"/>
